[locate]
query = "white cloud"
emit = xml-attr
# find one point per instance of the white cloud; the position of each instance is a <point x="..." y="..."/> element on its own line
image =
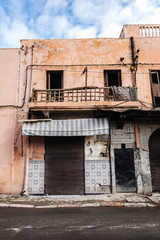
<point x="71" y="18"/>
<point x="79" y="32"/>
<point x="111" y="31"/>
<point x="10" y="36"/>
<point x="60" y="26"/>
<point x="54" y="5"/>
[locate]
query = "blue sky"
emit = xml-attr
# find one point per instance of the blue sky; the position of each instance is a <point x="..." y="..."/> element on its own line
<point x="43" y="19"/>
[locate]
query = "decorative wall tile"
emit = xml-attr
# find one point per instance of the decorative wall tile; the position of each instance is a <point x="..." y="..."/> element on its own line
<point x="36" y="177"/>
<point x="97" y="176"/>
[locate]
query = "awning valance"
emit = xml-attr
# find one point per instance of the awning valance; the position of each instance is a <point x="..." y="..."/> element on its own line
<point x="69" y="127"/>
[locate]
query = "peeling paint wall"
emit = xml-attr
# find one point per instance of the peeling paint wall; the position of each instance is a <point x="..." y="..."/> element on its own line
<point x="36" y="148"/>
<point x="63" y="53"/>
<point x="146" y="128"/>
<point x="141" y="155"/>
<point x="97" y="164"/>
<point x="96" y="147"/>
<point x="90" y="51"/>
<point x="16" y="73"/>
<point x="21" y="157"/>
<point x="123" y="136"/>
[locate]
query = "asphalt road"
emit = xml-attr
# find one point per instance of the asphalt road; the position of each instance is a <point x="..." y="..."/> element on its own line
<point x="80" y="223"/>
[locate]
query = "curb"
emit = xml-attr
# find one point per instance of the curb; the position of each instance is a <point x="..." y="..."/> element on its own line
<point x="14" y="205"/>
<point x="83" y="205"/>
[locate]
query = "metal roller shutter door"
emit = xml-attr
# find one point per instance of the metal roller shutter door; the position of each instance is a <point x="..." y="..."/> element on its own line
<point x="64" y="165"/>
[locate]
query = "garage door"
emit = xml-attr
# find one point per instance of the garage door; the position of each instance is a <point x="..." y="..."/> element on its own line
<point x="64" y="165"/>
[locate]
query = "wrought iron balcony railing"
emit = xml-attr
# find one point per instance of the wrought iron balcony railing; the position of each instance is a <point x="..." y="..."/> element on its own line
<point x="85" y="94"/>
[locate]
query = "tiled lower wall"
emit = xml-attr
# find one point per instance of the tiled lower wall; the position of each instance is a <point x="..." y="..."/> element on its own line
<point x="36" y="177"/>
<point x="97" y="176"/>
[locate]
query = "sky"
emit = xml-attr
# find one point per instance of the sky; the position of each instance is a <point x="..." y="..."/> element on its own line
<point x="57" y="19"/>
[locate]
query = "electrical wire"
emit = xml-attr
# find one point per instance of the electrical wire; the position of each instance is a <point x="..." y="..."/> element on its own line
<point x="72" y="65"/>
<point x="24" y="97"/>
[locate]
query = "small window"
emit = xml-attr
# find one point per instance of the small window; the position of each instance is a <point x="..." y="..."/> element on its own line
<point x="55" y="84"/>
<point x="155" y="84"/>
<point x="155" y="77"/>
<point x="112" y="78"/>
<point x="157" y="101"/>
<point x="54" y="79"/>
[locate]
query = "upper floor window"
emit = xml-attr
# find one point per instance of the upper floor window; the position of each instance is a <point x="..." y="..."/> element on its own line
<point x="55" y="84"/>
<point x="112" y="78"/>
<point x="155" y="85"/>
<point x="54" y="79"/>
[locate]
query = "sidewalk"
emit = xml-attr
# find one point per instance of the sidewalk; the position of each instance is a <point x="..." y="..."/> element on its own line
<point x="105" y="200"/>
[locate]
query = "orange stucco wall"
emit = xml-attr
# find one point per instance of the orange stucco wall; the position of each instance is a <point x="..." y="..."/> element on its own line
<point x="78" y="52"/>
<point x="103" y="52"/>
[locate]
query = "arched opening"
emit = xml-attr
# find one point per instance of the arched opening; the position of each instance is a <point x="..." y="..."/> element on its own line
<point x="154" y="150"/>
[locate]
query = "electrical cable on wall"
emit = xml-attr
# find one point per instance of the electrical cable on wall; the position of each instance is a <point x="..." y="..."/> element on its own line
<point x="33" y="65"/>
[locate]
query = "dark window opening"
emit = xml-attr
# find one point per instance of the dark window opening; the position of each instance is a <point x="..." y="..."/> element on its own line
<point x="154" y="154"/>
<point x="112" y="78"/>
<point x="155" y="84"/>
<point x="125" y="171"/>
<point x="123" y="146"/>
<point x="155" y="76"/>
<point x="54" y="79"/>
<point x="157" y="101"/>
<point x="55" y="84"/>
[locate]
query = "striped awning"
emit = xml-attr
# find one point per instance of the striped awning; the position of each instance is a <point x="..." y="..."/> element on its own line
<point x="70" y="127"/>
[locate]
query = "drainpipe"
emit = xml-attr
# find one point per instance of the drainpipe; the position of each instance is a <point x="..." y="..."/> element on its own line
<point x="85" y="71"/>
<point x="30" y="90"/>
<point x="86" y="84"/>
<point x="25" y="155"/>
<point x="134" y="65"/>
<point x="136" y="132"/>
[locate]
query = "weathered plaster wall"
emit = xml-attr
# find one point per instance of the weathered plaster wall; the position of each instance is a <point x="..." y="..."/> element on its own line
<point x="139" y="30"/>
<point x="14" y="76"/>
<point x="123" y="136"/>
<point x="36" y="148"/>
<point x="146" y="128"/>
<point x="9" y="64"/>
<point x="141" y="155"/>
<point x="97" y="147"/>
<point x="66" y="54"/>
<point x="130" y="30"/>
<point x="21" y="157"/>
<point x="79" y="52"/>
<point x="97" y="164"/>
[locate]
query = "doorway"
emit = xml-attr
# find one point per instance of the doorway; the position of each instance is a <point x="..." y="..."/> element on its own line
<point x="64" y="165"/>
<point x="154" y="151"/>
<point x="124" y="169"/>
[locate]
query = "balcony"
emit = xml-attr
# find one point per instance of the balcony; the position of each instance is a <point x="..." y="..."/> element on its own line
<point x="83" y="97"/>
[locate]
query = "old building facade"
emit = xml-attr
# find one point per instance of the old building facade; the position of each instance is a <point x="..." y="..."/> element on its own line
<point x="81" y="116"/>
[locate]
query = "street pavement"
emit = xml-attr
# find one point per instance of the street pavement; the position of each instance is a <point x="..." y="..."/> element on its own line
<point x="80" y="223"/>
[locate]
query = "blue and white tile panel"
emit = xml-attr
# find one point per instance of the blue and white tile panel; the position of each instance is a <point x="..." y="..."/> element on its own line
<point x="36" y="177"/>
<point x="97" y="176"/>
